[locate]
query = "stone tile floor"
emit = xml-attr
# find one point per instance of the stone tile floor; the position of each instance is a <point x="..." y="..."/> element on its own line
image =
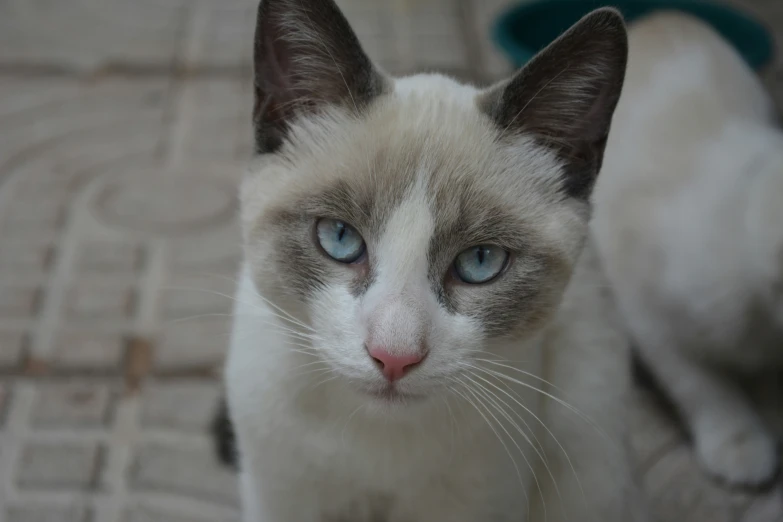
<point x="123" y="129"/>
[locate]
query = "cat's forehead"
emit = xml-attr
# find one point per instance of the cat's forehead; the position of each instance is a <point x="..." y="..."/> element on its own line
<point x="429" y="136"/>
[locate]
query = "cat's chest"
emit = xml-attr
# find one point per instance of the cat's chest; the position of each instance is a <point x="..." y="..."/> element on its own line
<point x="351" y="482"/>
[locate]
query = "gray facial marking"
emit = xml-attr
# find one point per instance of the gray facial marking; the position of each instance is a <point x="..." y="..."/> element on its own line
<point x="364" y="206"/>
<point x="524" y="293"/>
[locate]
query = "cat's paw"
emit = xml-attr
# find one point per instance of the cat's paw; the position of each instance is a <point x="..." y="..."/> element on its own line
<point x="745" y="456"/>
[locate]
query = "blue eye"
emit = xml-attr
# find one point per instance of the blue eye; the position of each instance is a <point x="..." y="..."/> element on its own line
<point x="339" y="240"/>
<point x="480" y="264"/>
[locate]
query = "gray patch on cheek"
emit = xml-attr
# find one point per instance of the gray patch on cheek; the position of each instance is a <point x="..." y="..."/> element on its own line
<point x="297" y="260"/>
<point x="520" y="299"/>
<point x="363" y="281"/>
<point x="523" y="293"/>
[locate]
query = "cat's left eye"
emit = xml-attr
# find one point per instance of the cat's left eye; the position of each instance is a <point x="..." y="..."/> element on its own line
<point x="339" y="240"/>
<point x="480" y="264"/>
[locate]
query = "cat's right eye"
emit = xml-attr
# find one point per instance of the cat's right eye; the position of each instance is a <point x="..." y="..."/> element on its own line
<point x="480" y="264"/>
<point x="339" y="240"/>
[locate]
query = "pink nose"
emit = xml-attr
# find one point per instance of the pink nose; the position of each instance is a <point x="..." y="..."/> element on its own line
<point x="394" y="366"/>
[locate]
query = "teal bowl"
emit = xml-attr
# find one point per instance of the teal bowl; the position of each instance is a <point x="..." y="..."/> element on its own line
<point x="528" y="27"/>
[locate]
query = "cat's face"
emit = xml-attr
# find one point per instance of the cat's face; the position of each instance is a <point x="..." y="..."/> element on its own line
<point x="418" y="224"/>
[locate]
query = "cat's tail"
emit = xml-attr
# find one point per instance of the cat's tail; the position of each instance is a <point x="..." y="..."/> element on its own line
<point x="223" y="433"/>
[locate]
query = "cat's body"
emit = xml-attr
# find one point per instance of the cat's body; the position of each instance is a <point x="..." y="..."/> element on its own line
<point x="409" y="339"/>
<point x="689" y="223"/>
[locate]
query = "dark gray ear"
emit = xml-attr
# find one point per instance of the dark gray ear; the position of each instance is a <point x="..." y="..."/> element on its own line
<point x="305" y="56"/>
<point x="566" y="95"/>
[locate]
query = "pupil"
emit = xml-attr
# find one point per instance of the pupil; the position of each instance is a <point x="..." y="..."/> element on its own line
<point x="481" y="253"/>
<point x="340" y="231"/>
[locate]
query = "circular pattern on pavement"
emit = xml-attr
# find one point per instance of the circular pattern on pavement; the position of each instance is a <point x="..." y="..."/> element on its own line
<point x="158" y="205"/>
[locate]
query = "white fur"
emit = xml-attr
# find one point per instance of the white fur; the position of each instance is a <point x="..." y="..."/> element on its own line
<point x="689" y="224"/>
<point x="308" y="448"/>
<point x="313" y="446"/>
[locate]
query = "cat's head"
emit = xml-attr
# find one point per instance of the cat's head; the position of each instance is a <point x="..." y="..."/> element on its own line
<point x="417" y="224"/>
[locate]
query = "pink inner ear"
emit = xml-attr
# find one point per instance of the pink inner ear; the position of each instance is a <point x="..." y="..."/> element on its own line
<point x="276" y="62"/>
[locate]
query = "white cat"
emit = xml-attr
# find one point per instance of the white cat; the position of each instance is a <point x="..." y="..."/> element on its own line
<point x="409" y="343"/>
<point x="689" y="224"/>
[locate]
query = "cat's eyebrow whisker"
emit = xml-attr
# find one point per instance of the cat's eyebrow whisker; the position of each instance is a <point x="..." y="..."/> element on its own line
<point x="478" y="388"/>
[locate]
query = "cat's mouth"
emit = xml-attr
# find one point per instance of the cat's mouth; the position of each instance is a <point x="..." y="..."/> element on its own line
<point x="392" y="394"/>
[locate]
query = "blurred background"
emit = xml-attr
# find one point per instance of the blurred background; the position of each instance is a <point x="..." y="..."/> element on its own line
<point x="124" y="127"/>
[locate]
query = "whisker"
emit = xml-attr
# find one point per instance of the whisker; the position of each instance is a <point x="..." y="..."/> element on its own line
<point x="287" y="317"/>
<point x="500" y="439"/>
<point x="563" y="403"/>
<point x="342" y="433"/>
<point x="513" y="440"/>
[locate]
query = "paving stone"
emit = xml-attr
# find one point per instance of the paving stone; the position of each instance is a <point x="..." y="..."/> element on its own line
<point x="5" y="400"/>
<point x="218" y="250"/>
<point x="61" y="465"/>
<point x="12" y="349"/>
<point x="183" y="472"/>
<point x="110" y="257"/>
<point x="78" y="405"/>
<point x="161" y="159"/>
<point x="148" y="514"/>
<point x="47" y="514"/>
<point x="192" y="346"/>
<point x="33" y="216"/>
<point x="185" y="406"/>
<point x="18" y="301"/>
<point x="227" y="38"/>
<point x="483" y="14"/>
<point x="191" y="297"/>
<point x="99" y="301"/>
<point x="25" y="256"/>
<point x="46" y="189"/>
<point x="43" y="33"/>
<point x="89" y="351"/>
<point x="165" y="206"/>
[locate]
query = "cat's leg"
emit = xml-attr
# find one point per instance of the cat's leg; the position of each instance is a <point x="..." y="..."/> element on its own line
<point x="250" y="500"/>
<point x="730" y="438"/>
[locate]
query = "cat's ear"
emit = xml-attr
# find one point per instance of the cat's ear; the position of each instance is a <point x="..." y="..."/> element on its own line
<point x="566" y="95"/>
<point x="306" y="56"/>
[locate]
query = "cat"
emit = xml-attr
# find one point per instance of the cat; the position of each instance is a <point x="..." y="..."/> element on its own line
<point x="688" y="223"/>
<point x="420" y="331"/>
